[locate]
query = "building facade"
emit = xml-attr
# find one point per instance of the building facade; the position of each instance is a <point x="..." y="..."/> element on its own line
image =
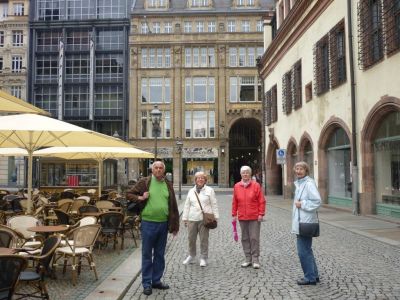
<point x="14" y="41"/>
<point x="332" y="99"/>
<point x="79" y="73"/>
<point x="196" y="60"/>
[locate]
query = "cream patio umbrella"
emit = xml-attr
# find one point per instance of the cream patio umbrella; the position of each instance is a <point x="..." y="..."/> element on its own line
<point x="11" y="104"/>
<point x="33" y="132"/>
<point x="97" y="153"/>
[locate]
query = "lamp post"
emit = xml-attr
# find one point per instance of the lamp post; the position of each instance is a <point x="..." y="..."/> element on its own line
<point x="179" y="145"/>
<point x="156" y="120"/>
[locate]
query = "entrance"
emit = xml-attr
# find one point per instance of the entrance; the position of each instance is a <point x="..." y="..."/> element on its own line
<point x="244" y="148"/>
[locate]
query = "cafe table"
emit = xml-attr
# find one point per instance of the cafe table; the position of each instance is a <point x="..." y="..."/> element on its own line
<point x="7" y="251"/>
<point x="46" y="230"/>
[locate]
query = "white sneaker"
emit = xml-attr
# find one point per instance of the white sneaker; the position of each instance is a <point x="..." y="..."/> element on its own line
<point x="245" y="264"/>
<point x="188" y="260"/>
<point x="256" y="265"/>
<point x="203" y="262"/>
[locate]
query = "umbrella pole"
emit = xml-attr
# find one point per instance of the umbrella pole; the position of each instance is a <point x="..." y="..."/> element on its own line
<point x="100" y="176"/>
<point x="30" y="162"/>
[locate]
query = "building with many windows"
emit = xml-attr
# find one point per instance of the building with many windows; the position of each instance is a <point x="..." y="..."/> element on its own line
<point x="332" y="99"/>
<point x="14" y="33"/>
<point x="196" y="60"/>
<point x="79" y="73"/>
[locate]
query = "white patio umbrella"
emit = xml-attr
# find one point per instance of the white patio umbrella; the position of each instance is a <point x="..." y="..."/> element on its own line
<point x="97" y="153"/>
<point x="11" y="104"/>
<point x="33" y="132"/>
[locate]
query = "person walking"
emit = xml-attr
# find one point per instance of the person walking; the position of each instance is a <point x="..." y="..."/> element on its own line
<point x="159" y="214"/>
<point x="248" y="205"/>
<point x="306" y="202"/>
<point x="193" y="217"/>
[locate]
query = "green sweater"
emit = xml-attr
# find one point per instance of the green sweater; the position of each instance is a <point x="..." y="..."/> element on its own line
<point x="156" y="209"/>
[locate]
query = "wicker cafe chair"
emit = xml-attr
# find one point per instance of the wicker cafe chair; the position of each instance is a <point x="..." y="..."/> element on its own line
<point x="35" y="277"/>
<point x="104" y="205"/>
<point x="11" y="267"/>
<point x="6" y="238"/>
<point x="87" y="208"/>
<point x="76" y="204"/>
<point x="63" y="217"/>
<point x="21" y="224"/>
<point x="83" y="239"/>
<point x="111" y="224"/>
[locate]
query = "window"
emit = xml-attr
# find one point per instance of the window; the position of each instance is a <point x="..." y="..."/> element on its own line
<point x="80" y="10"/>
<point x="297" y="85"/>
<point x="231" y="25"/>
<point x="212" y="26"/>
<point x="109" y="67"/>
<point x="321" y="65"/>
<point x="16" y="64"/>
<point x="156" y="3"/>
<point x="244" y="3"/>
<point x="287" y="93"/>
<point x="187" y="27"/>
<point x="308" y="91"/>
<point x="1" y="64"/>
<point x="48" y="41"/>
<point x="200" y="90"/>
<point x="199" y="57"/>
<point x="244" y="56"/>
<point x="108" y="100"/>
<point x="156" y="27"/>
<point x="18" y="10"/>
<point x="156" y="90"/>
<point x="45" y="97"/>
<point x="147" y="127"/>
<point x="18" y="38"/>
<point x="50" y="9"/>
<point x="200" y="124"/>
<point x="199" y="3"/>
<point x="246" y="26"/>
<point x="77" y="67"/>
<point x="260" y="25"/>
<point x="76" y="103"/>
<point x="370" y="32"/>
<point x="156" y="58"/>
<point x="1" y="38"/>
<point x="245" y="89"/>
<point x="199" y="26"/>
<point x="111" y="9"/>
<point x="79" y="40"/>
<point x="46" y="68"/>
<point x="3" y="10"/>
<point x="109" y="39"/>
<point x="16" y="91"/>
<point x="167" y="27"/>
<point x="391" y="16"/>
<point x="337" y="55"/>
<point x="144" y="29"/>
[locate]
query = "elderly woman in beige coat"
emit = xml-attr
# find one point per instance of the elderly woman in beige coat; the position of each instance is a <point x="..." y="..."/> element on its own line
<point x="193" y="217"/>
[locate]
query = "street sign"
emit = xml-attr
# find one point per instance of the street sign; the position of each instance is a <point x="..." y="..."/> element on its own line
<point x="281" y="156"/>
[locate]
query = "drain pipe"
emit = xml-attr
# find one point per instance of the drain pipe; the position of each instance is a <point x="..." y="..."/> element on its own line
<point x="354" y="161"/>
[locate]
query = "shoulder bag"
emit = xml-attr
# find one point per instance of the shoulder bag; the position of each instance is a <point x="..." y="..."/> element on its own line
<point x="209" y="220"/>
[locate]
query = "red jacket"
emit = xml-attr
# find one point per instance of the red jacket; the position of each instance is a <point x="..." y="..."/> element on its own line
<point x="248" y="202"/>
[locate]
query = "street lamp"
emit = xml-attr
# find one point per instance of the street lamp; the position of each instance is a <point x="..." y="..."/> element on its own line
<point x="156" y="120"/>
<point x="179" y="145"/>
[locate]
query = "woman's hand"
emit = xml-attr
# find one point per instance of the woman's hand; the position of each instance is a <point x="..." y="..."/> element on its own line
<point x="234" y="218"/>
<point x="185" y="223"/>
<point x="297" y="203"/>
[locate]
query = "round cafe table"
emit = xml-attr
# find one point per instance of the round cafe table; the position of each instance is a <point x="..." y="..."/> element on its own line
<point x="6" y="251"/>
<point x="47" y="230"/>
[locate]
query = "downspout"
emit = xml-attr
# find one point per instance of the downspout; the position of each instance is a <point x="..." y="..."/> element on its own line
<point x="354" y="162"/>
<point x="263" y="108"/>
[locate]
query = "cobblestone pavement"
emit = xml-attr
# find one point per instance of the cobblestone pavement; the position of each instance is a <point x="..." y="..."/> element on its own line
<point x="351" y="266"/>
<point x="106" y="260"/>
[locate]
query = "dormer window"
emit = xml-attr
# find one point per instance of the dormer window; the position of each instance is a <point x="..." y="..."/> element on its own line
<point x="245" y="3"/>
<point x="155" y="4"/>
<point x="199" y="3"/>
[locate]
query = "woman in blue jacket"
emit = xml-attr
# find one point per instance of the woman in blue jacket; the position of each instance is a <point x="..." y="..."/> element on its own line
<point x="306" y="202"/>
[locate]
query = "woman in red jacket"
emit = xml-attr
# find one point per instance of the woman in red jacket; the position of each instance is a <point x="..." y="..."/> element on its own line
<point x="248" y="205"/>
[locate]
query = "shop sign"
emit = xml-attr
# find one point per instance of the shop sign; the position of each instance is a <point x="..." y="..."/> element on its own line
<point x="200" y="152"/>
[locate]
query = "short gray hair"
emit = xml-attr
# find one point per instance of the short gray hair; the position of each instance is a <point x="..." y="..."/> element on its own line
<point x="303" y="165"/>
<point x="245" y="168"/>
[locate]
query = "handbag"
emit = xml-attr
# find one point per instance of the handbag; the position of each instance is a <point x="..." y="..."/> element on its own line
<point x="308" y="229"/>
<point x="209" y="220"/>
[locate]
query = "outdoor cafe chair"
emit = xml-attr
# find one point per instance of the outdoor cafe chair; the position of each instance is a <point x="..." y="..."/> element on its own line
<point x="132" y="224"/>
<point x="62" y="217"/>
<point x="104" y="205"/>
<point x="87" y="208"/>
<point x="75" y="206"/>
<point x="6" y="238"/>
<point x="68" y="194"/>
<point x="21" y="225"/>
<point x="83" y="239"/>
<point x="84" y="197"/>
<point x="111" y="225"/>
<point x="89" y="220"/>
<point x="65" y="204"/>
<point x="11" y="267"/>
<point x="35" y="278"/>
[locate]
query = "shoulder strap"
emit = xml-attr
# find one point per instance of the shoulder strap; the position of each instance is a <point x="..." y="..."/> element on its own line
<point x="197" y="196"/>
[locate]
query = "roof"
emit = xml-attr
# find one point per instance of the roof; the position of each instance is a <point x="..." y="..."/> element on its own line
<point x="220" y="6"/>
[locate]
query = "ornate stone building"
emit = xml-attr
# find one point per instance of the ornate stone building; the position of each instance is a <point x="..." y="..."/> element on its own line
<point x="196" y="60"/>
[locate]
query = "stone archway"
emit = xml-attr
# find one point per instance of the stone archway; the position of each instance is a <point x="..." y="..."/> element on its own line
<point x="306" y="151"/>
<point x="376" y="115"/>
<point x="291" y="159"/>
<point x="331" y="125"/>
<point x="244" y="147"/>
<point x="273" y="171"/>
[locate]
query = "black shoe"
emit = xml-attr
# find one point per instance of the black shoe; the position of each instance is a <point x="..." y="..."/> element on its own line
<point x="160" y="286"/>
<point x="317" y="279"/>
<point x="147" y="291"/>
<point x="306" y="282"/>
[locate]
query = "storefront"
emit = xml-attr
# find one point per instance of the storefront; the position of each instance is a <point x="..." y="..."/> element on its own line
<point x="200" y="160"/>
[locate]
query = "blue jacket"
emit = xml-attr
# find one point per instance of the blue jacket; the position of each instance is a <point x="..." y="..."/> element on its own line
<point x="307" y="193"/>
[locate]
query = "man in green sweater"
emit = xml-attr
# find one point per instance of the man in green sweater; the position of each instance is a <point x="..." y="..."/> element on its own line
<point x="159" y="214"/>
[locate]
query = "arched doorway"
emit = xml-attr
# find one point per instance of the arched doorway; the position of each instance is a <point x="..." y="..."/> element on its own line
<point x="291" y="159"/>
<point x="244" y="147"/>
<point x="306" y="152"/>
<point x="273" y="171"/>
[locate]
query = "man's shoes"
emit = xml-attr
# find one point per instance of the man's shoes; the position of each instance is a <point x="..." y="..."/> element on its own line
<point x="160" y="286"/>
<point x="306" y="282"/>
<point x="245" y="264"/>
<point x="256" y="265"/>
<point x="203" y="262"/>
<point x="147" y="291"/>
<point x="188" y="260"/>
<point x="317" y="279"/>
